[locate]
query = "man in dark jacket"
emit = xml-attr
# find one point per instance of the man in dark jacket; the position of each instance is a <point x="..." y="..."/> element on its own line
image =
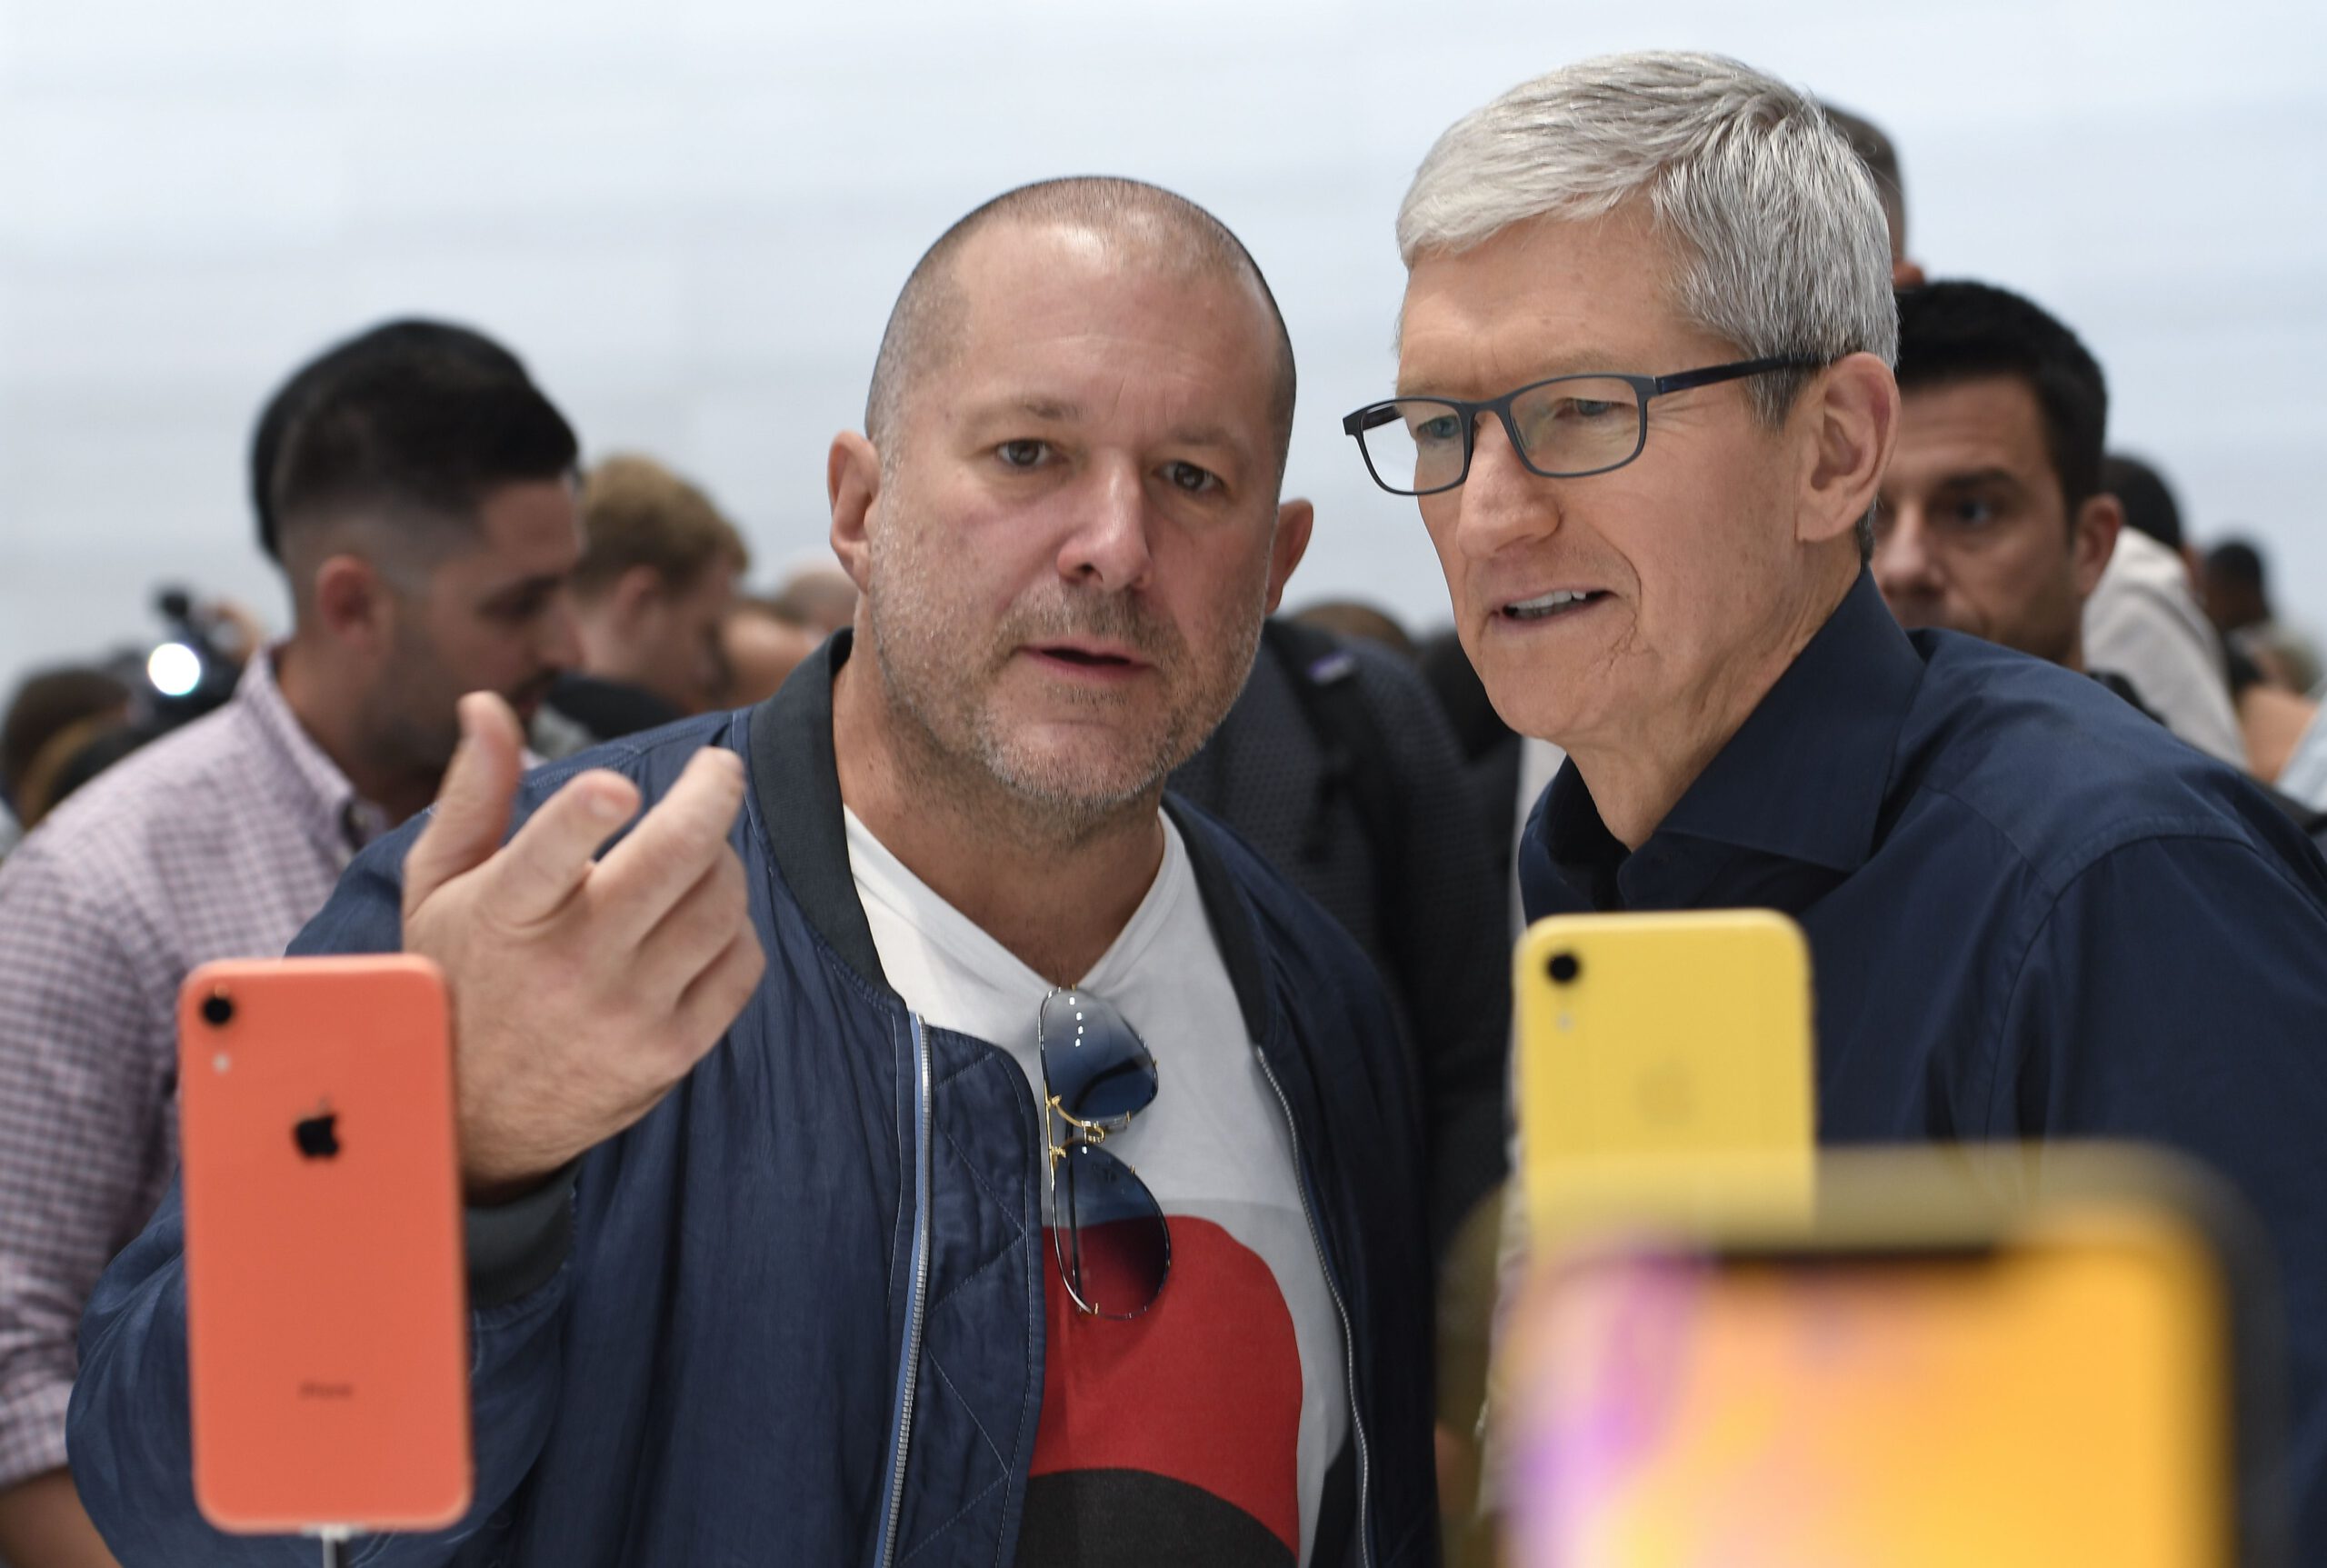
<point x="881" y="1268"/>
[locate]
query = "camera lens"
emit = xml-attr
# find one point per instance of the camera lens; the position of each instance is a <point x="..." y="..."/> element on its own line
<point x="216" y="1010"/>
<point x="1563" y="968"/>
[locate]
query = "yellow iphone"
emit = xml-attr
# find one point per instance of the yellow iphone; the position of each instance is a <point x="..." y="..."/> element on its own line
<point x="1666" y="1065"/>
<point x="1929" y="1381"/>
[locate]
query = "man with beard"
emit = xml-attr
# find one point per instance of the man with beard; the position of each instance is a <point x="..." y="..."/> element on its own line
<point x="418" y="490"/>
<point x="916" y="1140"/>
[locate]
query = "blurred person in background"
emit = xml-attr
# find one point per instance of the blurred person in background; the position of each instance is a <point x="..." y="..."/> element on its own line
<point x="2153" y="511"/>
<point x="1489" y="747"/>
<point x="1993" y="521"/>
<point x="2276" y="726"/>
<point x="420" y="497"/>
<point x="760" y="644"/>
<point x="657" y="573"/>
<point x="67" y="725"/>
<point x="818" y="597"/>
<point x="1991" y="524"/>
<point x="2143" y="620"/>
<point x="2155" y="606"/>
<point x="1874" y="149"/>
<point x="2235" y="581"/>
<point x="110" y="745"/>
<point x="1350" y="619"/>
<point x="53" y="716"/>
<point x="1643" y="395"/>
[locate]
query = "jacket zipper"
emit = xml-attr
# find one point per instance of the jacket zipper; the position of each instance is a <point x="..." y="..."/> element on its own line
<point x="1349" y="1339"/>
<point x="909" y="1371"/>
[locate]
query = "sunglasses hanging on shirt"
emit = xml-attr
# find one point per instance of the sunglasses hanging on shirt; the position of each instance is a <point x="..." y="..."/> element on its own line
<point x="1114" y="1246"/>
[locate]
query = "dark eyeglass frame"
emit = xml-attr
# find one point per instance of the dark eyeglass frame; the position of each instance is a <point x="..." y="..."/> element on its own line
<point x="1084" y="1142"/>
<point x="1374" y="415"/>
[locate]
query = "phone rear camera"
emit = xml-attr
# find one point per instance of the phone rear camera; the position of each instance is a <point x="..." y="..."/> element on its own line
<point x="216" y="1011"/>
<point x="1563" y="968"/>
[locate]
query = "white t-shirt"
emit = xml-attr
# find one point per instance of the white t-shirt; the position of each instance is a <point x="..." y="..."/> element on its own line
<point x="1221" y="1408"/>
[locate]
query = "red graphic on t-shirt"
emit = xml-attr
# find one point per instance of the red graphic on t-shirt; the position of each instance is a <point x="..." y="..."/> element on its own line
<point x="1204" y="1387"/>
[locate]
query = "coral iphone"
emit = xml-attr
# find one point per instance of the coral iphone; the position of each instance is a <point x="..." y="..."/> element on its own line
<point x="326" y="1306"/>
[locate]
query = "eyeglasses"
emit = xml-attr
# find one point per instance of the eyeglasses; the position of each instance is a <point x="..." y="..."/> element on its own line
<point x="1114" y="1246"/>
<point x="1563" y="428"/>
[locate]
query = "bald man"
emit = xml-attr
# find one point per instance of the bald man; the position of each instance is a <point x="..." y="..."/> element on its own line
<point x="916" y="1141"/>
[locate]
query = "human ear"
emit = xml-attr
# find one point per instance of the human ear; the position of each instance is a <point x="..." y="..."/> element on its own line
<point x="352" y="603"/>
<point x="1294" y="519"/>
<point x="852" y="484"/>
<point x="1850" y="421"/>
<point x="2092" y="539"/>
<point x="635" y="594"/>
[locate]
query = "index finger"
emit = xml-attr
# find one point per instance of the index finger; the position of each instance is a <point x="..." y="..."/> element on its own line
<point x="669" y="849"/>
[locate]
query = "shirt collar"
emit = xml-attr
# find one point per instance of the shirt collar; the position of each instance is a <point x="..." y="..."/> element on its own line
<point x="1803" y="778"/>
<point x="335" y="813"/>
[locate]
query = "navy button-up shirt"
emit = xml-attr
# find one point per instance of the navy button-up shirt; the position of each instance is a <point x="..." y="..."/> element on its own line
<point x="2033" y="913"/>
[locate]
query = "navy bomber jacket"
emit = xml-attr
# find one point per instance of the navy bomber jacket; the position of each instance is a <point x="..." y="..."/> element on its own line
<point x="794" y="1314"/>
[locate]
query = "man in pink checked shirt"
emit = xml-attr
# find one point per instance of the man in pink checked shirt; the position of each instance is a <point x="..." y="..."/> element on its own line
<point x="419" y="492"/>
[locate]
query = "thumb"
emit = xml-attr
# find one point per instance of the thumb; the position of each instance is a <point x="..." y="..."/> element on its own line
<point x="472" y="810"/>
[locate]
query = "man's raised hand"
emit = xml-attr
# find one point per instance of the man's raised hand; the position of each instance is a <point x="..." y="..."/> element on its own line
<point x="582" y="989"/>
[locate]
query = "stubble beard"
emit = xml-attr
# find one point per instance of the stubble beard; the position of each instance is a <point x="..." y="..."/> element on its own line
<point x="411" y="722"/>
<point x="938" y="669"/>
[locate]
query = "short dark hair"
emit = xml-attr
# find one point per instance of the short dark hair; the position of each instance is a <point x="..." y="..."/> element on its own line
<point x="2237" y="561"/>
<point x="415" y="414"/>
<point x="2147" y="498"/>
<point x="924" y="319"/>
<point x="1959" y="331"/>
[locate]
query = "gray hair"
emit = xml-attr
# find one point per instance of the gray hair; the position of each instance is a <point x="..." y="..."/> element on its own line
<point x="1779" y="239"/>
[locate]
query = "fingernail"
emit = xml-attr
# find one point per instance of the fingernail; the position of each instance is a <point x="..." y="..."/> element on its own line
<point x="604" y="806"/>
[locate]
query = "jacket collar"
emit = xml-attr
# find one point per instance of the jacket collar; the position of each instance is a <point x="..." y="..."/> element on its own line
<point x="795" y="786"/>
<point x="795" y="783"/>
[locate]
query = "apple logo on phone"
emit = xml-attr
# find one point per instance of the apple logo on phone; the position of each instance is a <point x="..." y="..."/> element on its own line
<point x="317" y="1136"/>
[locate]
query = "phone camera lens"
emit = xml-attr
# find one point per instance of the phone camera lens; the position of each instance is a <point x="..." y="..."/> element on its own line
<point x="216" y="1010"/>
<point x="1563" y="968"/>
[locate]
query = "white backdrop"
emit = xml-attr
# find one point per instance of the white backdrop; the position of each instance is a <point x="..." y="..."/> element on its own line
<point x="692" y="223"/>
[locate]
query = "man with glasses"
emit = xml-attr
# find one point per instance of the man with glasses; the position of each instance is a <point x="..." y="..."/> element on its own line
<point x="1646" y="401"/>
<point x="911" y="1141"/>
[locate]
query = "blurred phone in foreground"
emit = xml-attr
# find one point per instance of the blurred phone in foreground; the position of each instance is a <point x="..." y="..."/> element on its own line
<point x="327" y="1296"/>
<point x="1926" y="1376"/>
<point x="1667" y="1065"/>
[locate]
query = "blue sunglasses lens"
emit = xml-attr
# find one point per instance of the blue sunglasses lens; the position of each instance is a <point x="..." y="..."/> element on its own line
<point x="1114" y="1246"/>
<point x="1097" y="1069"/>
